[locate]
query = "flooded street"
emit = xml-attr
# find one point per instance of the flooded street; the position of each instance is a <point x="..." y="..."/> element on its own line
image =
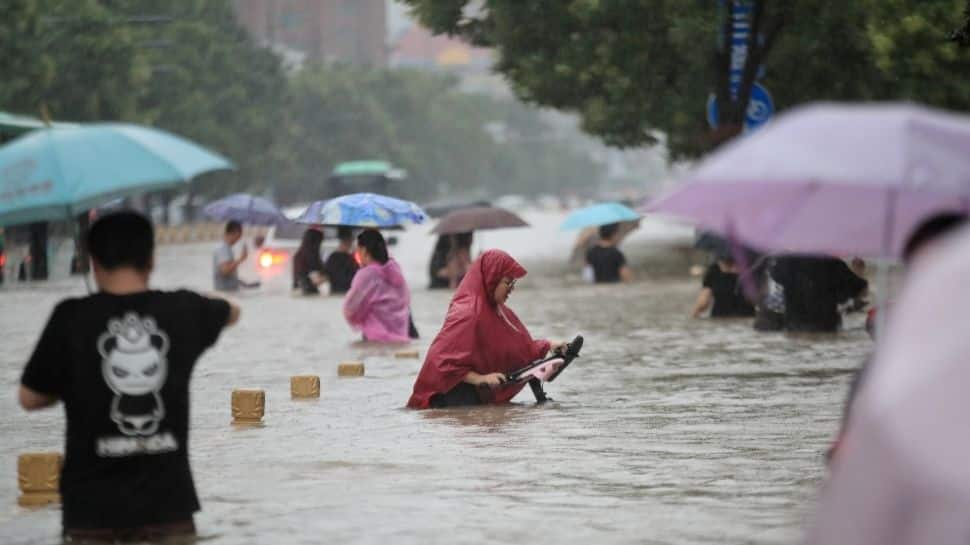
<point x="666" y="431"/>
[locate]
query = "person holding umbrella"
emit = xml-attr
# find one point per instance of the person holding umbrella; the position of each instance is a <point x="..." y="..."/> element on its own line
<point x="238" y="209"/>
<point x="308" y="267"/>
<point x="225" y="274"/>
<point x="453" y="254"/>
<point x="901" y="476"/>
<point x="341" y="266"/>
<point x="378" y="302"/>
<point x="607" y="262"/>
<point x="458" y="260"/>
<point x="604" y="261"/>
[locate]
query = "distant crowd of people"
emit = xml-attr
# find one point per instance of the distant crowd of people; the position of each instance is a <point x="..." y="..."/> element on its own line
<point x="783" y="292"/>
<point x="376" y="296"/>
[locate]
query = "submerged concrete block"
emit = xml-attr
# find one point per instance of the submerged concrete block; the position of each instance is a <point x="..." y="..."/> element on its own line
<point x="350" y="369"/>
<point x="248" y="406"/>
<point x="38" y="476"/>
<point x="304" y="386"/>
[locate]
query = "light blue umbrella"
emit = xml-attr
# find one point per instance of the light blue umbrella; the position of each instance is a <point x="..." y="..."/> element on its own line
<point x="245" y="208"/>
<point x="599" y="214"/>
<point x="363" y="210"/>
<point x="56" y="173"/>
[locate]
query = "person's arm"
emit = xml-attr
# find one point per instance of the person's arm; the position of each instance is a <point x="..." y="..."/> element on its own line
<point x="317" y="277"/>
<point x="358" y="299"/>
<point x="230" y="265"/>
<point x="32" y="401"/>
<point x="43" y="379"/>
<point x="626" y="273"/>
<point x="491" y="379"/>
<point x="704" y="300"/>
<point x="557" y="347"/>
<point x="234" y="313"/>
<point x="453" y="273"/>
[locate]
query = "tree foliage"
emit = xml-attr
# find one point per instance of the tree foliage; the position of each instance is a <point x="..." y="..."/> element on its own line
<point x="422" y="123"/>
<point x="47" y="56"/>
<point x="188" y="67"/>
<point x="632" y="68"/>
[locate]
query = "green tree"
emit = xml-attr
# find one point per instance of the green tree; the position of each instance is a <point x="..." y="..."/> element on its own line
<point x="632" y="68"/>
<point x="962" y="34"/>
<point x="423" y="123"/>
<point x="914" y="58"/>
<point x="211" y="83"/>
<point x="73" y="57"/>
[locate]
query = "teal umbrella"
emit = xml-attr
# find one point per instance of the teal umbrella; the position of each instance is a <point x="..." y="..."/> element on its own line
<point x="56" y="173"/>
<point x="599" y="214"/>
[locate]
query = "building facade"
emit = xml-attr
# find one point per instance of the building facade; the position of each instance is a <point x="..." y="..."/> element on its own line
<point x="350" y="31"/>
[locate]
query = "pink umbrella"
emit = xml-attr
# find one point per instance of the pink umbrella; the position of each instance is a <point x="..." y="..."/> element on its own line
<point x="832" y="179"/>
<point x="902" y="472"/>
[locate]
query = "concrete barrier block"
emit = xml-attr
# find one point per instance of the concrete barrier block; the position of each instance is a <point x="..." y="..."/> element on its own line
<point x="248" y="406"/>
<point x="304" y="386"/>
<point x="350" y="369"/>
<point x="38" y="477"/>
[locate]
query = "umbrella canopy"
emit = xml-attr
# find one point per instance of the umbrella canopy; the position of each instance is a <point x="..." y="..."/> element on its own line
<point x="900" y="475"/>
<point x="477" y="219"/>
<point x="13" y="125"/>
<point x="441" y="208"/>
<point x="599" y="214"/>
<point x="362" y="168"/>
<point x="55" y="173"/>
<point x="245" y="208"/>
<point x="363" y="210"/>
<point x="832" y="179"/>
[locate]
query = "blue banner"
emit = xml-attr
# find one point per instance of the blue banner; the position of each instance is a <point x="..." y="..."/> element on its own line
<point x="738" y="42"/>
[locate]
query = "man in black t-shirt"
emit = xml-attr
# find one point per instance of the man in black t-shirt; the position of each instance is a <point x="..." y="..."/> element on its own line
<point x="608" y="263"/>
<point x="721" y="292"/>
<point x="341" y="266"/>
<point x="121" y="360"/>
<point x="814" y="288"/>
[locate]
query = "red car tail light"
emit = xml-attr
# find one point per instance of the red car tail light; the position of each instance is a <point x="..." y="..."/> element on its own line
<point x="269" y="258"/>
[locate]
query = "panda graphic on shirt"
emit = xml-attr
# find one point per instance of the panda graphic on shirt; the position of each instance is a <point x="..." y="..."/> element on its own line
<point x="134" y="365"/>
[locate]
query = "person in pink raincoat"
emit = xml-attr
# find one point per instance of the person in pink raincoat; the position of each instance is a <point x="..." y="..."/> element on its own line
<point x="378" y="303"/>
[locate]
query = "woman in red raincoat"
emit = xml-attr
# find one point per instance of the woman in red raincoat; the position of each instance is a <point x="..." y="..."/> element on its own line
<point x="481" y="341"/>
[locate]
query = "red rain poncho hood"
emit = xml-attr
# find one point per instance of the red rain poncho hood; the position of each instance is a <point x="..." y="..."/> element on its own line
<point x="479" y="335"/>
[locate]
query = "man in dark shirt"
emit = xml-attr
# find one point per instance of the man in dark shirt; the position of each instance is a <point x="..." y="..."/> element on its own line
<point x="341" y="266"/>
<point x="121" y="360"/>
<point x="606" y="261"/>
<point x="814" y="288"/>
<point x="721" y="292"/>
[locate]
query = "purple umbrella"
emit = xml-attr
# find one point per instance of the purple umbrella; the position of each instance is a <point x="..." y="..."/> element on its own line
<point x="832" y="179"/>
<point x="245" y="208"/>
<point x="901" y="475"/>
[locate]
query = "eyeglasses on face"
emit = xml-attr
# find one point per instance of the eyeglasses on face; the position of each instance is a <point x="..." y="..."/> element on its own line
<point x="509" y="282"/>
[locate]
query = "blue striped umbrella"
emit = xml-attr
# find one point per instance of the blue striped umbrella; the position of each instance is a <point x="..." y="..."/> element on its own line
<point x="363" y="210"/>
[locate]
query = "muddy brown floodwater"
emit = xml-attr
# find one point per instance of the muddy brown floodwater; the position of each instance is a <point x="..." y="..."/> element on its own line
<point x="667" y="430"/>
